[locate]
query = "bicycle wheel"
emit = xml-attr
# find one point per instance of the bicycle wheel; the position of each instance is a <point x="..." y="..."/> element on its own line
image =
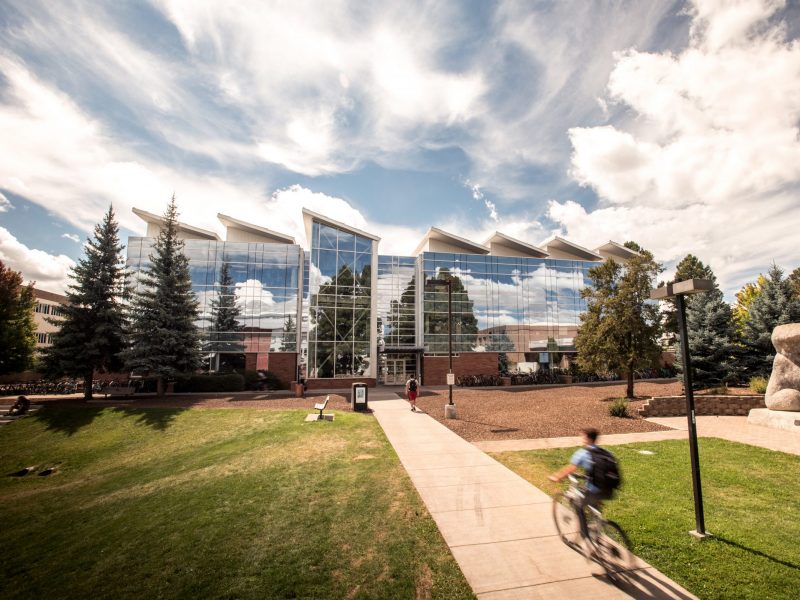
<point x="613" y="548"/>
<point x="566" y="521"/>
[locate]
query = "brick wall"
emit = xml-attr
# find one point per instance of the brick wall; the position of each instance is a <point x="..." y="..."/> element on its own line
<point x="675" y="406"/>
<point x="284" y="365"/>
<point x="338" y="383"/>
<point x="434" y="368"/>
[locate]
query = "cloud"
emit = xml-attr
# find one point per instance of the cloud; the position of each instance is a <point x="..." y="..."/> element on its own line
<point x="71" y="236"/>
<point x="5" y="204"/>
<point x="50" y="272"/>
<point x="711" y="163"/>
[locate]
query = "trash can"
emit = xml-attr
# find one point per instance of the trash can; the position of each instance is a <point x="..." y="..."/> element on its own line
<point x="358" y="397"/>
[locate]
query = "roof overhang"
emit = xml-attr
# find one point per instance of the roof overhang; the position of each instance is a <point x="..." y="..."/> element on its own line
<point x="437" y="235"/>
<point x="267" y="234"/>
<point x="558" y="247"/>
<point x="188" y="231"/>
<point x="310" y="216"/>
<point x="500" y="240"/>
<point x="614" y="250"/>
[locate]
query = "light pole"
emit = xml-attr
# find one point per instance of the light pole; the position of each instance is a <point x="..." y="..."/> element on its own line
<point x="678" y="290"/>
<point x="450" y="408"/>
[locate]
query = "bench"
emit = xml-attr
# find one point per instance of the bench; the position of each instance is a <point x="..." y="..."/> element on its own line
<point x="119" y="390"/>
<point x="320" y="406"/>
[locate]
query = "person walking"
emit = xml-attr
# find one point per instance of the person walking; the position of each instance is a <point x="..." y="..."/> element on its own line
<point x="412" y="389"/>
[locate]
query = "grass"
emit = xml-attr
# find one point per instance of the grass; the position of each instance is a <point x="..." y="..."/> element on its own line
<point x="214" y="504"/>
<point x="752" y="508"/>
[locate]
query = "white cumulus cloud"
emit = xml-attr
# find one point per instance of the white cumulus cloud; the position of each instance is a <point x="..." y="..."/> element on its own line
<point x="711" y="163"/>
<point x="5" y="204"/>
<point x="50" y="272"/>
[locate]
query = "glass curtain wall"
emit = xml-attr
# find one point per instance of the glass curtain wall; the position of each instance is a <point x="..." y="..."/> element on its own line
<point x="397" y="318"/>
<point x="516" y="305"/>
<point x="340" y="296"/>
<point x="247" y="293"/>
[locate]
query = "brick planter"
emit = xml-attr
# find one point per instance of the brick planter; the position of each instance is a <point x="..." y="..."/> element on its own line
<point x="675" y="406"/>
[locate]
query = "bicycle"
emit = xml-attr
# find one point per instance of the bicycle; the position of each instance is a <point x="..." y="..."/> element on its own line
<point x="607" y="543"/>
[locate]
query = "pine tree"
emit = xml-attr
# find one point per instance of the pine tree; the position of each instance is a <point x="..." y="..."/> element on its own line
<point x="17" y="327"/>
<point x="775" y="305"/>
<point x="618" y="331"/>
<point x="690" y="267"/>
<point x="744" y="298"/>
<point x="90" y="337"/>
<point x="794" y="278"/>
<point x="164" y="340"/>
<point x="711" y="334"/>
<point x="224" y="316"/>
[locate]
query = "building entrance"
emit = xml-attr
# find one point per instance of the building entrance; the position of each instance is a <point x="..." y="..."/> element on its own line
<point x="397" y="371"/>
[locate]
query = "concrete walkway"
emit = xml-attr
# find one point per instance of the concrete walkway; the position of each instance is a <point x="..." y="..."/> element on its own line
<point x="734" y="429"/>
<point x="498" y="526"/>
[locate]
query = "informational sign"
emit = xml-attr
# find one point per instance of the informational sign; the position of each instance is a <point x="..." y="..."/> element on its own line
<point x="544" y="357"/>
<point x="451" y="379"/>
<point x="361" y="395"/>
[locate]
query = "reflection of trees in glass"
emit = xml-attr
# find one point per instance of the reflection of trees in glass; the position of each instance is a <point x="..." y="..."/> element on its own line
<point x="289" y="334"/>
<point x="465" y="325"/>
<point x="340" y="314"/>
<point x="500" y="342"/>
<point x="224" y="313"/>
<point x="401" y="318"/>
<point x="555" y="355"/>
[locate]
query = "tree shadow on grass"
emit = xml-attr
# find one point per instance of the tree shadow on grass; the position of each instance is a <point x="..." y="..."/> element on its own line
<point x="157" y="418"/>
<point x="71" y="420"/>
<point x="779" y="561"/>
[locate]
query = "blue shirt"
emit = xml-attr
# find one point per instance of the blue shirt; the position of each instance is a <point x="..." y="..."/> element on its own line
<point x="583" y="460"/>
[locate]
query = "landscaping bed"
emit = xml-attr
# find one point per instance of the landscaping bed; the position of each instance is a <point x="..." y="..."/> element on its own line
<point x="509" y="413"/>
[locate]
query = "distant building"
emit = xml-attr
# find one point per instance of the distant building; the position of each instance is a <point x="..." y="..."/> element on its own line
<point x="48" y="306"/>
<point x="339" y="311"/>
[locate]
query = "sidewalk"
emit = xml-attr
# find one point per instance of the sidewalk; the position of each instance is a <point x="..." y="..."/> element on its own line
<point x="497" y="525"/>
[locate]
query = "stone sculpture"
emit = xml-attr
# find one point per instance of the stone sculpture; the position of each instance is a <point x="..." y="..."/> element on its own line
<point x="783" y="391"/>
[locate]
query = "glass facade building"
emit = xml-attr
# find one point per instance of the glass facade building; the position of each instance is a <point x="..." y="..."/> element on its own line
<point x="339" y="310"/>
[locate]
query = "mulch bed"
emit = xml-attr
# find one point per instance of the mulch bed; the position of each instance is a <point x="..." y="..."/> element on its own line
<point x="483" y="414"/>
<point x="501" y="414"/>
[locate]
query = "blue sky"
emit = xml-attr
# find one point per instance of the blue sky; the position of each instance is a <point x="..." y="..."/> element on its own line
<point x="674" y="124"/>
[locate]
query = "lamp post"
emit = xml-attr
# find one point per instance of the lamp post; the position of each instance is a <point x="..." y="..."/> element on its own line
<point x="678" y="290"/>
<point x="450" y="408"/>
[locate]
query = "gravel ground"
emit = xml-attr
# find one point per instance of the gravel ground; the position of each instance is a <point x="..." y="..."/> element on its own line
<point x="506" y="414"/>
<point x="483" y="414"/>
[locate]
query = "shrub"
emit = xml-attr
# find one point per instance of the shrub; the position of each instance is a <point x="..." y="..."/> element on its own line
<point x="619" y="408"/>
<point x="759" y="384"/>
<point x="250" y="379"/>
<point x="270" y="381"/>
<point x="230" y="382"/>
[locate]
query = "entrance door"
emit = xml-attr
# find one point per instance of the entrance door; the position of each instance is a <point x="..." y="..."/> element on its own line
<point x="395" y="371"/>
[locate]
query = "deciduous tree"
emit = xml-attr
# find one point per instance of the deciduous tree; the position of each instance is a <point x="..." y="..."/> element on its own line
<point x="620" y="328"/>
<point x="17" y="327"/>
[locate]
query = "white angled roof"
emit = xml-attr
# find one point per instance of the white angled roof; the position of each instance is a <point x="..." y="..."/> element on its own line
<point x="617" y="251"/>
<point x="499" y="242"/>
<point x="310" y="216"/>
<point x="254" y="230"/>
<point x="437" y="240"/>
<point x="558" y="247"/>
<point x="156" y="222"/>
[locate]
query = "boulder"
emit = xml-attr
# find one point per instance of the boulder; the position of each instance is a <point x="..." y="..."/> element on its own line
<point x="783" y="391"/>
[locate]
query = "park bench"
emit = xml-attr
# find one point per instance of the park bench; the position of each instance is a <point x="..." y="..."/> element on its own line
<point x="119" y="390"/>
<point x="320" y="406"/>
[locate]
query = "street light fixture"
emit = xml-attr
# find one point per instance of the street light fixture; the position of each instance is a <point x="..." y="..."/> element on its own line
<point x="678" y="290"/>
<point x="450" y="408"/>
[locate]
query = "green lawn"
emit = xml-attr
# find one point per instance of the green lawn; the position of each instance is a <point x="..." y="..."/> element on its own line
<point x="752" y="506"/>
<point x="213" y="504"/>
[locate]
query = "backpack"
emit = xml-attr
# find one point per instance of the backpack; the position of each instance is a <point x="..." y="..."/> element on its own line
<point x="412" y="385"/>
<point x="605" y="471"/>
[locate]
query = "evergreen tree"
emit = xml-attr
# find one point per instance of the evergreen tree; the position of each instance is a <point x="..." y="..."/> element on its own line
<point x="690" y="267"/>
<point x="224" y="336"/>
<point x="619" y="330"/>
<point x="17" y="327"/>
<point x="775" y="305"/>
<point x="164" y="339"/>
<point x="711" y="334"/>
<point x="90" y="337"/>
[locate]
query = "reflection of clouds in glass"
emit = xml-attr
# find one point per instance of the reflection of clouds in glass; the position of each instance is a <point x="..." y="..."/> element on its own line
<point x="392" y="284"/>
<point x="259" y="307"/>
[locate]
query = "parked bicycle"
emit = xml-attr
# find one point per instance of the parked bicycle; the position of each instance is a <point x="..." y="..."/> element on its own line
<point x="606" y="543"/>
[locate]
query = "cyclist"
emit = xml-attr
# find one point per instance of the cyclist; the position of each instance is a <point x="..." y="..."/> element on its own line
<point x="593" y="495"/>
